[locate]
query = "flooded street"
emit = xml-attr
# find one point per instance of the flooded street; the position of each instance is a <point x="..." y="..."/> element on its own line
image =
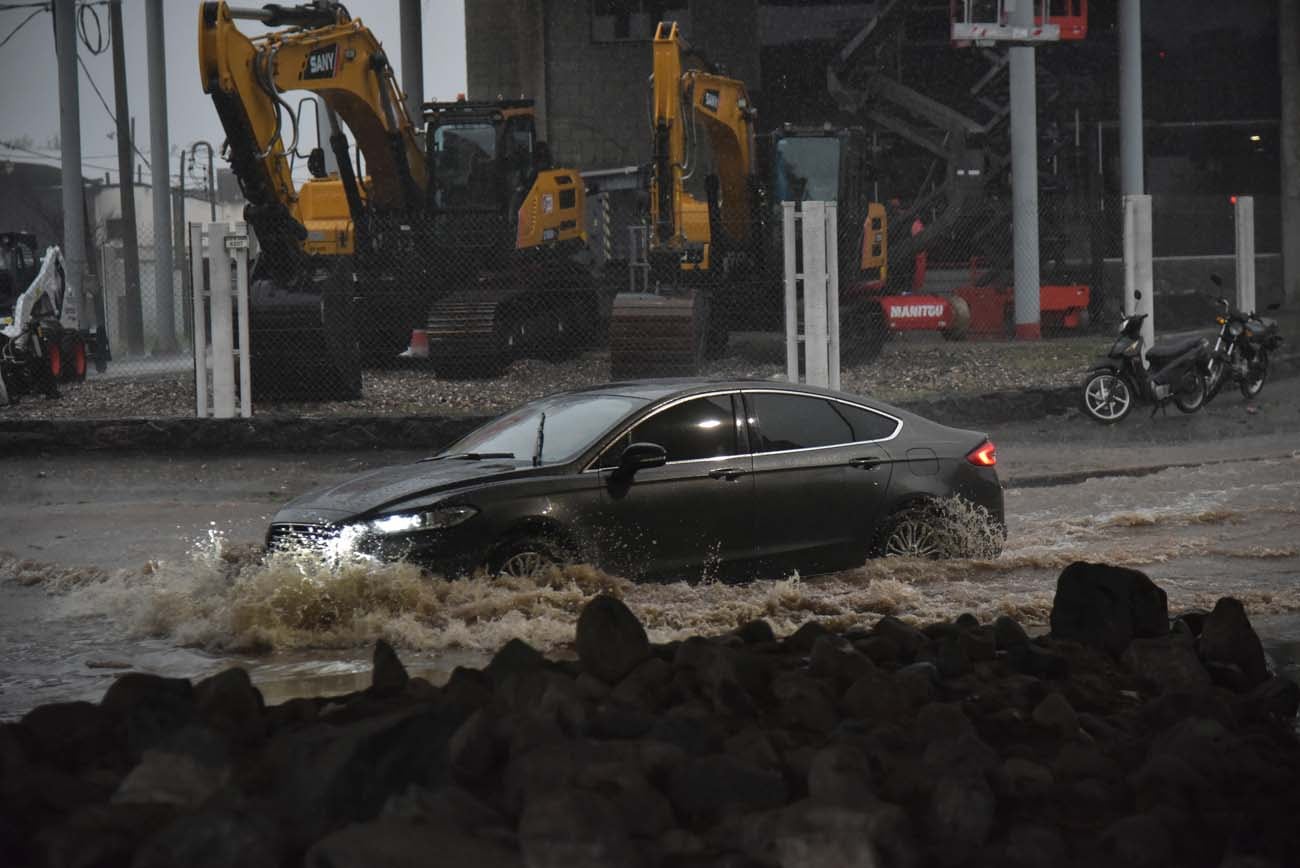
<point x="121" y="563"/>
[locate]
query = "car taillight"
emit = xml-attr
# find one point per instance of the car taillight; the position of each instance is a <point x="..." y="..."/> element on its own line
<point x="984" y="455"/>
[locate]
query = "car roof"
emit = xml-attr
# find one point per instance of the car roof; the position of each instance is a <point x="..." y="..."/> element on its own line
<point x="652" y="390"/>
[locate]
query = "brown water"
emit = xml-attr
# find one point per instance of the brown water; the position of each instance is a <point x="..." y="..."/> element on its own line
<point x="302" y="628"/>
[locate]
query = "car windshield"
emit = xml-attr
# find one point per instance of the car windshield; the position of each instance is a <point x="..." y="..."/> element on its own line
<point x="573" y="423"/>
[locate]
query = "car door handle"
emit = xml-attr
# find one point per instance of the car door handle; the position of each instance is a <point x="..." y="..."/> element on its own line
<point x="867" y="463"/>
<point x="727" y="473"/>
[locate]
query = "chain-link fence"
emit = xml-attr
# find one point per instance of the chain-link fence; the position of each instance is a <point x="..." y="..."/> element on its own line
<point x="451" y="315"/>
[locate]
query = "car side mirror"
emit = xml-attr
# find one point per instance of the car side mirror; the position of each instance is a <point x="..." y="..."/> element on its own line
<point x="641" y="456"/>
<point x="1216" y="280"/>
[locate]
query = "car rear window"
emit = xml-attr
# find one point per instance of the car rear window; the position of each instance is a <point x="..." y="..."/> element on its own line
<point x="805" y="422"/>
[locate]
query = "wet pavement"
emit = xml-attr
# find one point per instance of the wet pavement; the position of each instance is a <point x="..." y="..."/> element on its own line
<point x="115" y="562"/>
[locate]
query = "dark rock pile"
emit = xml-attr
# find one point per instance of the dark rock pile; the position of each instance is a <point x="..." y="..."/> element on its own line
<point x="1123" y="739"/>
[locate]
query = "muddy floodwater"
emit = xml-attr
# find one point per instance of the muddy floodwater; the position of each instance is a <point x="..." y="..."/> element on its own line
<point x="1203" y="532"/>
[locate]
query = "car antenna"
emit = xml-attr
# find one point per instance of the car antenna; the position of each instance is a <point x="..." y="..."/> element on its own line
<point x="541" y="438"/>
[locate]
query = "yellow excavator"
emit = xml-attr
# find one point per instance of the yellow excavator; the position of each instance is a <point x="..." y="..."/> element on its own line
<point x="711" y="263"/>
<point x="453" y="205"/>
<point x="698" y="248"/>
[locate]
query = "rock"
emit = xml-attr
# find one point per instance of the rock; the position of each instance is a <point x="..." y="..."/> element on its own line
<point x="611" y="641"/>
<point x="964" y="754"/>
<point x="421" y="690"/>
<point x="801" y="641"/>
<point x="980" y="645"/>
<point x="941" y="720"/>
<point x="100" y="835"/>
<point x="756" y="633"/>
<point x="1138" y="841"/>
<point x="952" y="659"/>
<point x="515" y="656"/>
<point x="151" y="706"/>
<point x="967" y="621"/>
<point x="1277" y="697"/>
<point x="905" y="637"/>
<point x="1167" y="781"/>
<point x="644" y="811"/>
<point x="1107" y="607"/>
<point x="647" y="686"/>
<point x="1227" y="638"/>
<point x="448" y="804"/>
<point x="959" y="817"/>
<point x="1023" y="780"/>
<point x="836" y="659"/>
<point x="803" y="703"/>
<point x="1032" y="846"/>
<point x="1056" y="713"/>
<point x="715" y="786"/>
<point x="212" y="839"/>
<point x="390" y="843"/>
<point x="840" y="775"/>
<point x="176" y="777"/>
<point x="573" y="827"/>
<point x="1032" y="659"/>
<point x="811" y="833"/>
<point x="230" y="703"/>
<point x="752" y="746"/>
<point x="1080" y="761"/>
<point x="388" y="677"/>
<point x="1166" y="664"/>
<point x="328" y="775"/>
<point x="71" y="735"/>
<point x="875" y="697"/>
<point x="1007" y="633"/>
<point x="472" y="751"/>
<point x="881" y="650"/>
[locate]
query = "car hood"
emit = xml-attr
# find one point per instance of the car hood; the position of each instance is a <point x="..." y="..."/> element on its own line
<point x="373" y="491"/>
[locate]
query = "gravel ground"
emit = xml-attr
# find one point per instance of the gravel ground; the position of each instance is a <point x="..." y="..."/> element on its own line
<point x="910" y="367"/>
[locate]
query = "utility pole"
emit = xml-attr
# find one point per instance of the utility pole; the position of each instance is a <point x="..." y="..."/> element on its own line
<point x="164" y="294"/>
<point x="1288" y="32"/>
<point x="131" y="317"/>
<point x="1024" y="177"/>
<point x="412" y="56"/>
<point x="1130" y="97"/>
<point x="74" y="220"/>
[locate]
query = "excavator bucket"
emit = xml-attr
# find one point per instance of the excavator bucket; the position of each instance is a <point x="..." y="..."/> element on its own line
<point x="658" y="335"/>
<point x="304" y="340"/>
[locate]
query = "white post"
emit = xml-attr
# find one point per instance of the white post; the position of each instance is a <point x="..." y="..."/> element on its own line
<point x="200" y="321"/>
<point x="790" y="225"/>
<point x="241" y="300"/>
<point x="223" y="335"/>
<point x="833" y="292"/>
<point x="816" y="361"/>
<point x="1139" y="279"/>
<point x="1244" y="214"/>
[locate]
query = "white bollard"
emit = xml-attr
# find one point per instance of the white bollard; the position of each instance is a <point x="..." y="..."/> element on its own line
<point x="227" y="245"/>
<point x="1139" y="278"/>
<point x="1244" y="218"/>
<point x="814" y="291"/>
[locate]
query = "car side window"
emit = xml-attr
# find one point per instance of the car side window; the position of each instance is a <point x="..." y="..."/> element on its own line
<point x="805" y="422"/>
<point x="694" y="429"/>
<point x="867" y="424"/>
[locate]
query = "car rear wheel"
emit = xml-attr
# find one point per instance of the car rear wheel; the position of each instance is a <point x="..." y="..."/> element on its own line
<point x="526" y="556"/>
<point x="915" y="532"/>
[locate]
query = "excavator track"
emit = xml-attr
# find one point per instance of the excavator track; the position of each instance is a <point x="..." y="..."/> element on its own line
<point x="304" y="345"/>
<point x="478" y="331"/>
<point x="654" y="335"/>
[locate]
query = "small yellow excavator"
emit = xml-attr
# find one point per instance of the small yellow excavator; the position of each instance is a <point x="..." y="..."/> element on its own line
<point x="712" y="263"/>
<point x="352" y="261"/>
<point x="696" y="247"/>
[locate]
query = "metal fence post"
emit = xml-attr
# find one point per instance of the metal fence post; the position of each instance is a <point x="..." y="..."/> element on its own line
<point x="833" y="294"/>
<point x="1139" y="280"/>
<point x="789" y="223"/>
<point x="200" y="321"/>
<point x="1244" y="220"/>
<point x="816" y="361"/>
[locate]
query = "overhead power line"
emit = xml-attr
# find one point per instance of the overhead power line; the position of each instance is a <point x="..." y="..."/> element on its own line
<point x="21" y="25"/>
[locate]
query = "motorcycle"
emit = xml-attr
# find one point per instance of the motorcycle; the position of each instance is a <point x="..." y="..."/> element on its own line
<point x="1241" y="349"/>
<point x="1119" y="380"/>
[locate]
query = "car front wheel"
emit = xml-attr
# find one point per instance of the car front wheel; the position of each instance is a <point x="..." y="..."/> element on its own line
<point x="526" y="556"/>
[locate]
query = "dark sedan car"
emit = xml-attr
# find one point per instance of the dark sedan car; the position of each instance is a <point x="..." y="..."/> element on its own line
<point x="664" y="477"/>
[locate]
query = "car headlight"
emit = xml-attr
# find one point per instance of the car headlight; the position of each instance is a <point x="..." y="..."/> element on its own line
<point x="406" y="522"/>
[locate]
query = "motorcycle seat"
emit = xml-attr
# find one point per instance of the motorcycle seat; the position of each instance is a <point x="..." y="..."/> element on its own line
<point x="1170" y="350"/>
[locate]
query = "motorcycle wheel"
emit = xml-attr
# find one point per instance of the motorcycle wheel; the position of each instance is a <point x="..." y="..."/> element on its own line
<point x="1256" y="374"/>
<point x="1217" y="373"/>
<point x="1107" y="397"/>
<point x="1190" y="396"/>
